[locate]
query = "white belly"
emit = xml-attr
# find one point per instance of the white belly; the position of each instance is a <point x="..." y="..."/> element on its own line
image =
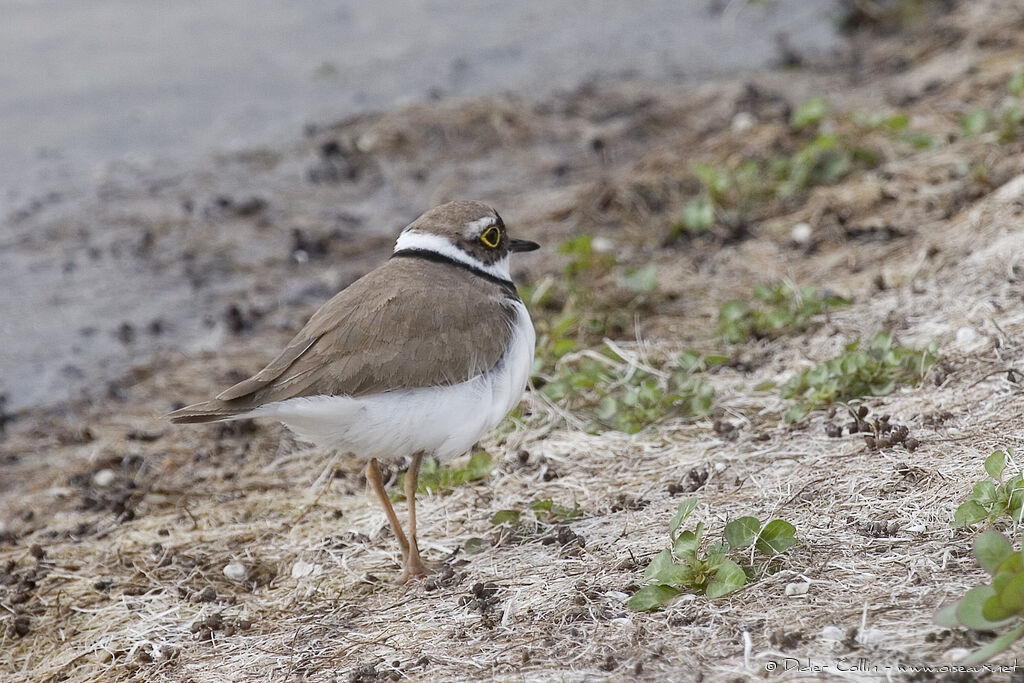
<point x="443" y="422"/>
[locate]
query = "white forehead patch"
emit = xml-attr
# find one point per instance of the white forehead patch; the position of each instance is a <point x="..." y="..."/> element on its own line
<point x="474" y="228"/>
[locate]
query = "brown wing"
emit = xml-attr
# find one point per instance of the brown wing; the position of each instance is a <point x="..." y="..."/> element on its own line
<point x="372" y="337"/>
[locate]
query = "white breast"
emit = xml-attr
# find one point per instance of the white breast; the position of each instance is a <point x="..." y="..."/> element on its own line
<point x="443" y="422"/>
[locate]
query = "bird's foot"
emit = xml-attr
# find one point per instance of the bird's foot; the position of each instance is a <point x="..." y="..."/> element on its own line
<point x="415" y="567"/>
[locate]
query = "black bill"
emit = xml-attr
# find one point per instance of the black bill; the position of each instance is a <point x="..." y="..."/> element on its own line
<point x="522" y="245"/>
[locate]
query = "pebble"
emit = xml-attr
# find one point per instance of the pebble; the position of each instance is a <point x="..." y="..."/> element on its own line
<point x="955" y="654"/>
<point x="602" y="245"/>
<point x="104" y="478"/>
<point x="801" y="233"/>
<point x="743" y="121"/>
<point x="966" y="335"/>
<point x="798" y="588"/>
<point x="303" y="569"/>
<point x="833" y="633"/>
<point x="235" y="571"/>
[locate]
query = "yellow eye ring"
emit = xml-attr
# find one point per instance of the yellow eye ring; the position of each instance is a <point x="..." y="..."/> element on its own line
<point x="491" y="237"/>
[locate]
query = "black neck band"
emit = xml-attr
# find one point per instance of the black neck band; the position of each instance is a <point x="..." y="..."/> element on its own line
<point x="428" y="255"/>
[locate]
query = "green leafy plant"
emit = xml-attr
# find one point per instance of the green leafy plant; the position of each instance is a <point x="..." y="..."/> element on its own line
<point x="778" y="309"/>
<point x="608" y="392"/>
<point x="435" y="478"/>
<point x="974" y="122"/>
<point x="593" y="299"/>
<point x="994" y="606"/>
<point x="545" y="510"/>
<point x="992" y="498"/>
<point x="691" y="565"/>
<point x="809" y="113"/>
<point x="875" y="371"/>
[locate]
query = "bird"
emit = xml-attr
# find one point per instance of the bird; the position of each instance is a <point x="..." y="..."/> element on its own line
<point x="420" y="357"/>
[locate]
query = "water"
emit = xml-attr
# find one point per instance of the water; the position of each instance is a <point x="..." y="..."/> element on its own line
<point x="90" y="87"/>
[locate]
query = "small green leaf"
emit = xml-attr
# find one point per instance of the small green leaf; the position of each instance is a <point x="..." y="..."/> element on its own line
<point x="687" y="541"/>
<point x="946" y="616"/>
<point x="728" y="578"/>
<point x="776" y="537"/>
<point x="983" y="492"/>
<point x="474" y="545"/>
<point x="682" y="512"/>
<point x="659" y="563"/>
<point x="809" y="112"/>
<point x="969" y="513"/>
<point x="505" y="516"/>
<point x="675" y="575"/>
<point x="969" y="611"/>
<point x="991" y="548"/>
<point x="741" y="532"/>
<point x="974" y="122"/>
<point x="641" y="280"/>
<point x="652" y="597"/>
<point x="1016" y="84"/>
<point x="994" y="611"/>
<point x="698" y="215"/>
<point x="1011" y="598"/>
<point x="995" y="464"/>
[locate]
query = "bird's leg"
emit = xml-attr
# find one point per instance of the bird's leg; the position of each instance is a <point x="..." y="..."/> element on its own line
<point x="413" y="563"/>
<point x="373" y="476"/>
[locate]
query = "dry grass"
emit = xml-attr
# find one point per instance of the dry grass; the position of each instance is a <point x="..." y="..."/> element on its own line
<point x="120" y="528"/>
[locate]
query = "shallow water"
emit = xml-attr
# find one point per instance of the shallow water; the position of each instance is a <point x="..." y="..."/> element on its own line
<point x="93" y="92"/>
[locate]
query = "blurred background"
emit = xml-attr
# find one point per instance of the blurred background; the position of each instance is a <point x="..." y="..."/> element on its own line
<point x="118" y="107"/>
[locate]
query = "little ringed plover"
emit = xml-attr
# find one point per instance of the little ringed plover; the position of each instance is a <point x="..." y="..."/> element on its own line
<point x="420" y="357"/>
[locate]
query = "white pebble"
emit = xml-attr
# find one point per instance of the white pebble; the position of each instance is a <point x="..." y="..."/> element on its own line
<point x="618" y="596"/>
<point x="965" y="335"/>
<point x="302" y="569"/>
<point x="235" y="571"/>
<point x="799" y="588"/>
<point x="955" y="654"/>
<point x="801" y="233"/>
<point x="916" y="528"/>
<point x="104" y="478"/>
<point x="743" y="121"/>
<point x="833" y="633"/>
<point x="602" y="245"/>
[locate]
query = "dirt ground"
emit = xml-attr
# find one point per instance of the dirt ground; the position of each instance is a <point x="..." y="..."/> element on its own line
<point x="134" y="550"/>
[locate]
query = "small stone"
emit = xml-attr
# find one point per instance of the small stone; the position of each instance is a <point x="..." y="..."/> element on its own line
<point x="833" y="633"/>
<point x="602" y="245"/>
<point x="104" y="478"/>
<point x="955" y="654"/>
<point x="235" y="571"/>
<point x="801" y="233"/>
<point x="797" y="588"/>
<point x="916" y="528"/>
<point x="966" y="335"/>
<point x="743" y="121"/>
<point x="302" y="569"/>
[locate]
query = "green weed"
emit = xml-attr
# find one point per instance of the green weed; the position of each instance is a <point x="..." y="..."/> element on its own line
<point x="994" y="606"/>
<point x="545" y="510"/>
<point x="875" y="371"/>
<point x="694" y="566"/>
<point x="992" y="498"/>
<point x="778" y="309"/>
<point x="435" y="478"/>
<point x="607" y="392"/>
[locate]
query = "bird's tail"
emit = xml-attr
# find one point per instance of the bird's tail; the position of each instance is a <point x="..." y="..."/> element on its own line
<point x="210" y="411"/>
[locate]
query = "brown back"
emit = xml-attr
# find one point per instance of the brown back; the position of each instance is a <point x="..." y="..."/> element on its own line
<point x="373" y="337"/>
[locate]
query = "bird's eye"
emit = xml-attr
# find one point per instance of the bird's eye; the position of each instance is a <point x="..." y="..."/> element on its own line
<point x="491" y="237"/>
